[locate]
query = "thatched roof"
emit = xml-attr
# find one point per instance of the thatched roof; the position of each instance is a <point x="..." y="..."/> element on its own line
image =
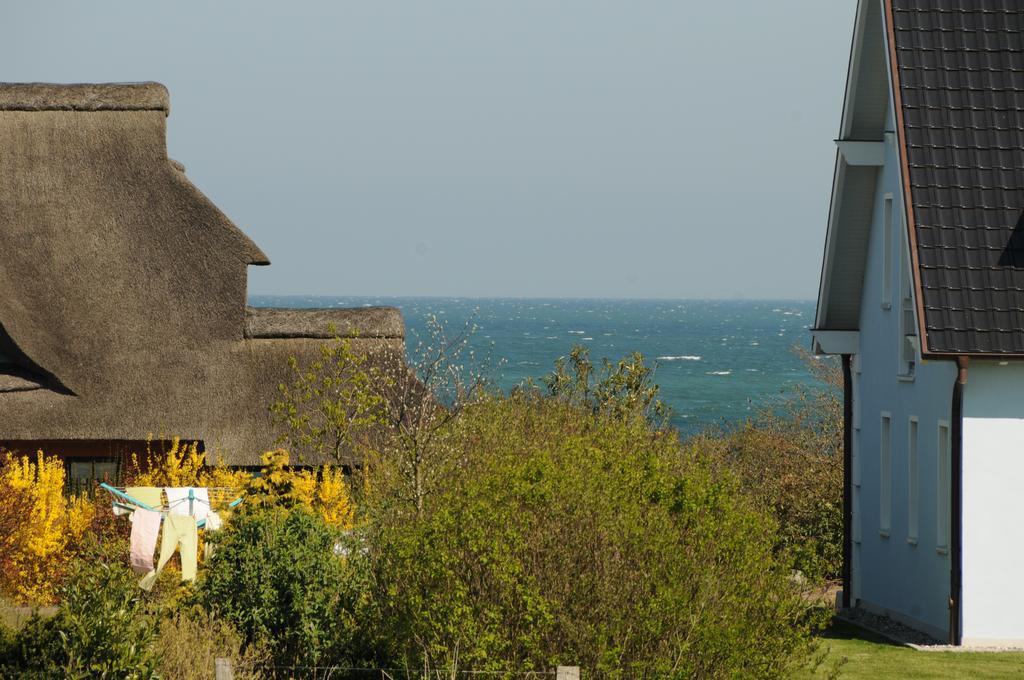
<point x="362" y="322"/>
<point x="84" y="97"/>
<point x="123" y="288"/>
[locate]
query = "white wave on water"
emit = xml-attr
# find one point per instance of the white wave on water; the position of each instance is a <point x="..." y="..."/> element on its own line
<point x="577" y="332"/>
<point x="683" y="357"/>
<point x="718" y="373"/>
<point x="587" y="338"/>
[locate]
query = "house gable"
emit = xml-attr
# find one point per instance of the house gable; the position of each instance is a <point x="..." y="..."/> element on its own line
<point x="858" y="158"/>
<point x="107" y="251"/>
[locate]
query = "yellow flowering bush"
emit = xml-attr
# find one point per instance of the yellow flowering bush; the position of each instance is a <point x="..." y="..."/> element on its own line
<point x="183" y="464"/>
<point x="324" y="490"/>
<point x="38" y="527"/>
<point x="333" y="500"/>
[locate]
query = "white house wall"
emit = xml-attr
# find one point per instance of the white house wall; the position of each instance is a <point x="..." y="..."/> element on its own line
<point x="993" y="486"/>
<point x="907" y="580"/>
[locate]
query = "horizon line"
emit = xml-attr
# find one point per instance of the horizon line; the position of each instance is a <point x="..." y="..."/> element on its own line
<point x="527" y="297"/>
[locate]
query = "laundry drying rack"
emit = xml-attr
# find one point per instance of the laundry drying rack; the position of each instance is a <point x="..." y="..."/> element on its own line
<point x="217" y="499"/>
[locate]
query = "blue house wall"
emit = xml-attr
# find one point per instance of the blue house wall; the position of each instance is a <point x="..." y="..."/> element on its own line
<point x="894" y="572"/>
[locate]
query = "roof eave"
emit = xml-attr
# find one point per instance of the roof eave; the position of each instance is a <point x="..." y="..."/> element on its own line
<point x="908" y="202"/>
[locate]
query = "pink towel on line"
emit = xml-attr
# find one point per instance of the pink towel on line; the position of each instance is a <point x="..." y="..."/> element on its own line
<point x="145" y="527"/>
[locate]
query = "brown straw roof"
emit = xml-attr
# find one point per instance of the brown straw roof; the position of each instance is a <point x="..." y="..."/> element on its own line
<point x="124" y="287"/>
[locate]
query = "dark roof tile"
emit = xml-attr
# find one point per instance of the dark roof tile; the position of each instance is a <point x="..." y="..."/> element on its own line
<point x="961" y="70"/>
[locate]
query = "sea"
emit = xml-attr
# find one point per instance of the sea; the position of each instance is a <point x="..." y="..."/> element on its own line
<point x="717" y="362"/>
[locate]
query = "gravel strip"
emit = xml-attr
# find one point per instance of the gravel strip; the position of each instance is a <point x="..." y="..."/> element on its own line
<point x="896" y="632"/>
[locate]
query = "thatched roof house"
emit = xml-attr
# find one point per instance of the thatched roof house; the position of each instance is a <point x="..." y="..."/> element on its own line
<point x="123" y="288"/>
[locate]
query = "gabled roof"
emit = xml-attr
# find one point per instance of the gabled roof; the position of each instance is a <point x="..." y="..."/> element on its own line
<point x="107" y="250"/>
<point x="123" y="288"/>
<point x="955" y="70"/>
<point x="959" y="93"/>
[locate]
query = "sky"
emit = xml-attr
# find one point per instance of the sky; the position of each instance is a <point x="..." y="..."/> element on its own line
<point x="526" y="148"/>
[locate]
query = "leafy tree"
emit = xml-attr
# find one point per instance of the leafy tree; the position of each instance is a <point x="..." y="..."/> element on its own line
<point x="331" y="406"/>
<point x="789" y="460"/>
<point x="569" y="536"/>
<point x="388" y="413"/>
<point x="619" y="390"/>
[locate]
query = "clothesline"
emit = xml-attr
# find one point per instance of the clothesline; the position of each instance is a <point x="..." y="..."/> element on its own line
<point x="179" y="528"/>
<point x="133" y="503"/>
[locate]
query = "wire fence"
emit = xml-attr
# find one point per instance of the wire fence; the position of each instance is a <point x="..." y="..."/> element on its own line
<point x="227" y="670"/>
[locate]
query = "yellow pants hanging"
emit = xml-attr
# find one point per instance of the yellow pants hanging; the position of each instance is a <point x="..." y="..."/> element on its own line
<point x="179" y="534"/>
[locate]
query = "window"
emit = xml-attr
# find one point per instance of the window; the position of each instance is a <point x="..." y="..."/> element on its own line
<point x="908" y="327"/>
<point x="887" y="253"/>
<point x="82" y="474"/>
<point x="885" y="467"/>
<point x="942" y="491"/>
<point x="913" y="482"/>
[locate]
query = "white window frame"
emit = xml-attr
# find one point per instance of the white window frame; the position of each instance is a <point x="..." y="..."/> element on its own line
<point x="906" y="360"/>
<point x="885" y="476"/>
<point x="913" y="481"/>
<point x="942" y="487"/>
<point x="887" y="251"/>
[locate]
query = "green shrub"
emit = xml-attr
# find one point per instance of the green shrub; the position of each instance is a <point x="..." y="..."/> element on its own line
<point x="100" y="631"/>
<point x="579" y="536"/>
<point x="276" y="577"/>
<point x="190" y="640"/>
<point x="7" y="639"/>
<point x="790" y="462"/>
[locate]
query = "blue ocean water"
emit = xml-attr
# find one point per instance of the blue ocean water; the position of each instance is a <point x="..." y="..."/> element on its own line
<point x="717" y="362"/>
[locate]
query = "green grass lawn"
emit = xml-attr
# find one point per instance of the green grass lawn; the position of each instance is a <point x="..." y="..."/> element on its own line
<point x="870" y="656"/>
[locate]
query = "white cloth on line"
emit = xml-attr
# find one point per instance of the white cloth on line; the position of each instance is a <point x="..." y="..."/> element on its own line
<point x="213" y="521"/>
<point x="178" y="503"/>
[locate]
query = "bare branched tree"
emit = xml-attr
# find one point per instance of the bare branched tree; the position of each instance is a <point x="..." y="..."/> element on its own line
<point x="385" y="412"/>
<point x="419" y="403"/>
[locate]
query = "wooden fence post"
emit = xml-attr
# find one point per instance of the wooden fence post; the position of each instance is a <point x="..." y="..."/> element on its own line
<point x="567" y="673"/>
<point x="222" y="669"/>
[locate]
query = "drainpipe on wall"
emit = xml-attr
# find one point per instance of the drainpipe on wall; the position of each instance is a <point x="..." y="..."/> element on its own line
<point x="847" y="482"/>
<point x="955" y="519"/>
